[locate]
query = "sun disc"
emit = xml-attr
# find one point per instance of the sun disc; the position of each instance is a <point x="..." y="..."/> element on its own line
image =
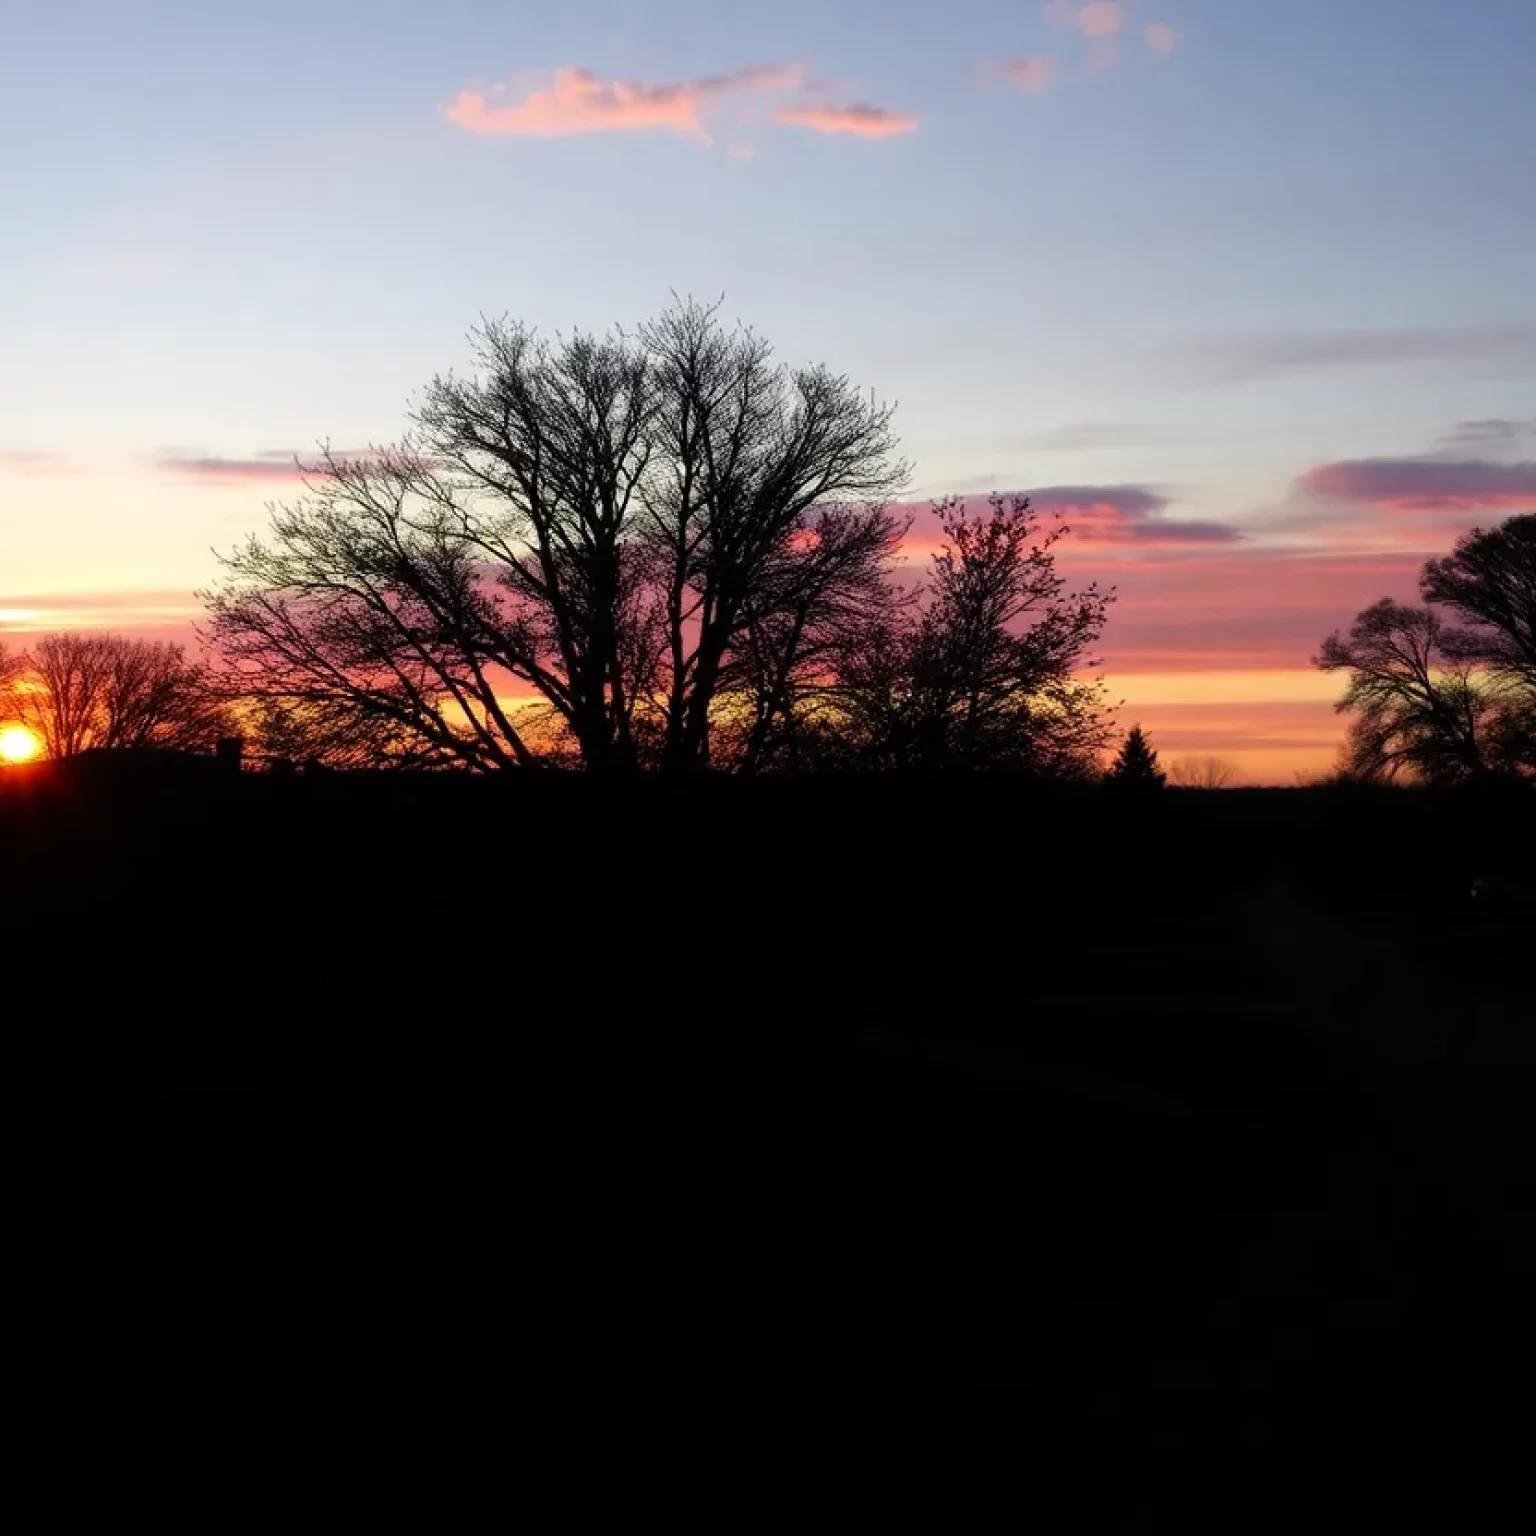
<point x="18" y="744"/>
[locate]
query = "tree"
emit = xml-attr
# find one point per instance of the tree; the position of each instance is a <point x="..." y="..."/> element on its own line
<point x="823" y="593"/>
<point x="990" y="667"/>
<point x="1447" y="691"/>
<point x="80" y="692"/>
<point x="11" y="669"/>
<point x="751" y="453"/>
<point x="1489" y="582"/>
<point x="1201" y="773"/>
<point x="1136" y="766"/>
<point x="622" y="529"/>
<point x="1419" y="710"/>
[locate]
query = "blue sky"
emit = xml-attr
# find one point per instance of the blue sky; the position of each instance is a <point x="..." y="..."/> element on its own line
<point x="1287" y="235"/>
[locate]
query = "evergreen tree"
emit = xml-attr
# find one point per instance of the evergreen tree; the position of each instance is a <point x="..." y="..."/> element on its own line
<point x="1136" y="767"/>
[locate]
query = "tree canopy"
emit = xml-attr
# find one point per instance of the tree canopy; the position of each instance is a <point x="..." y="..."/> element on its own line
<point x="1447" y="690"/>
<point x="659" y="547"/>
<point x="76" y="692"/>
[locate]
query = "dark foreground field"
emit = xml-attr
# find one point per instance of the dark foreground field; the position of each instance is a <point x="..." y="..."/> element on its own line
<point x="931" y="1157"/>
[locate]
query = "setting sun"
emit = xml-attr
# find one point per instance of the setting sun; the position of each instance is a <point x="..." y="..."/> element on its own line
<point x="18" y="744"/>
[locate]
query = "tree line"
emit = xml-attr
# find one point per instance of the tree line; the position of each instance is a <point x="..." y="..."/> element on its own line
<point x="662" y="548"/>
<point x="653" y="549"/>
<point x="76" y="693"/>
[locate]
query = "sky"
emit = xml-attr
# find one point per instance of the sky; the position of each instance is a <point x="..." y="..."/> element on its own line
<point x="1240" y="287"/>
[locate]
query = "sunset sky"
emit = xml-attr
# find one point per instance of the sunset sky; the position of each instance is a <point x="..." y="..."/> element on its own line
<point x="1241" y="286"/>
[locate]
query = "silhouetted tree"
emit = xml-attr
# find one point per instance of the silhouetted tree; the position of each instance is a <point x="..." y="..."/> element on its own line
<point x="1136" y="765"/>
<point x="11" y="669"/>
<point x="1437" y="700"/>
<point x="1201" y="773"/>
<point x="757" y="465"/>
<point x="1489" y="582"/>
<point x="989" y="669"/>
<point x="81" y="691"/>
<point x="623" y="528"/>
<point x="820" y="594"/>
<point x="1417" y="710"/>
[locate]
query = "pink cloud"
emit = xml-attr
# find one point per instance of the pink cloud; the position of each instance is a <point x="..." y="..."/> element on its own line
<point x="1095" y="19"/>
<point x="577" y="102"/>
<point x="1033" y="72"/>
<point x="1233" y="609"/>
<point x="1162" y="39"/>
<point x="861" y="121"/>
<point x="1425" y="485"/>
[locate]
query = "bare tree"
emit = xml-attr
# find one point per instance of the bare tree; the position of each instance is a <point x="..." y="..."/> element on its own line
<point x="992" y="669"/>
<point x="85" y="691"/>
<point x="1202" y="773"/>
<point x="11" y="670"/>
<point x="595" y="523"/>
<point x="365" y="626"/>
<point x="1419" y="710"/>
<point x="819" y="596"/>
<point x="749" y="450"/>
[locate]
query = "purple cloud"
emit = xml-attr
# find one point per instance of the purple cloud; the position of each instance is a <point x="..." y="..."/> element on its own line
<point x="1425" y="485"/>
<point x="1108" y="514"/>
<point x="1128" y="514"/>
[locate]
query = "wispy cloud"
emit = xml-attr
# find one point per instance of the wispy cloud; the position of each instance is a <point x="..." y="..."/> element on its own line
<point x="273" y="466"/>
<point x="1094" y="436"/>
<point x="1161" y="38"/>
<point x="1492" y="434"/>
<point x="1253" y="358"/>
<point x="30" y="613"/>
<point x="862" y="121"/>
<point x="1032" y="72"/>
<point x="30" y="462"/>
<point x="576" y="101"/>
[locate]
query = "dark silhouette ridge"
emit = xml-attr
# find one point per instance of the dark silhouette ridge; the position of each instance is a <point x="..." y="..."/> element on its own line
<point x="927" y="1154"/>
